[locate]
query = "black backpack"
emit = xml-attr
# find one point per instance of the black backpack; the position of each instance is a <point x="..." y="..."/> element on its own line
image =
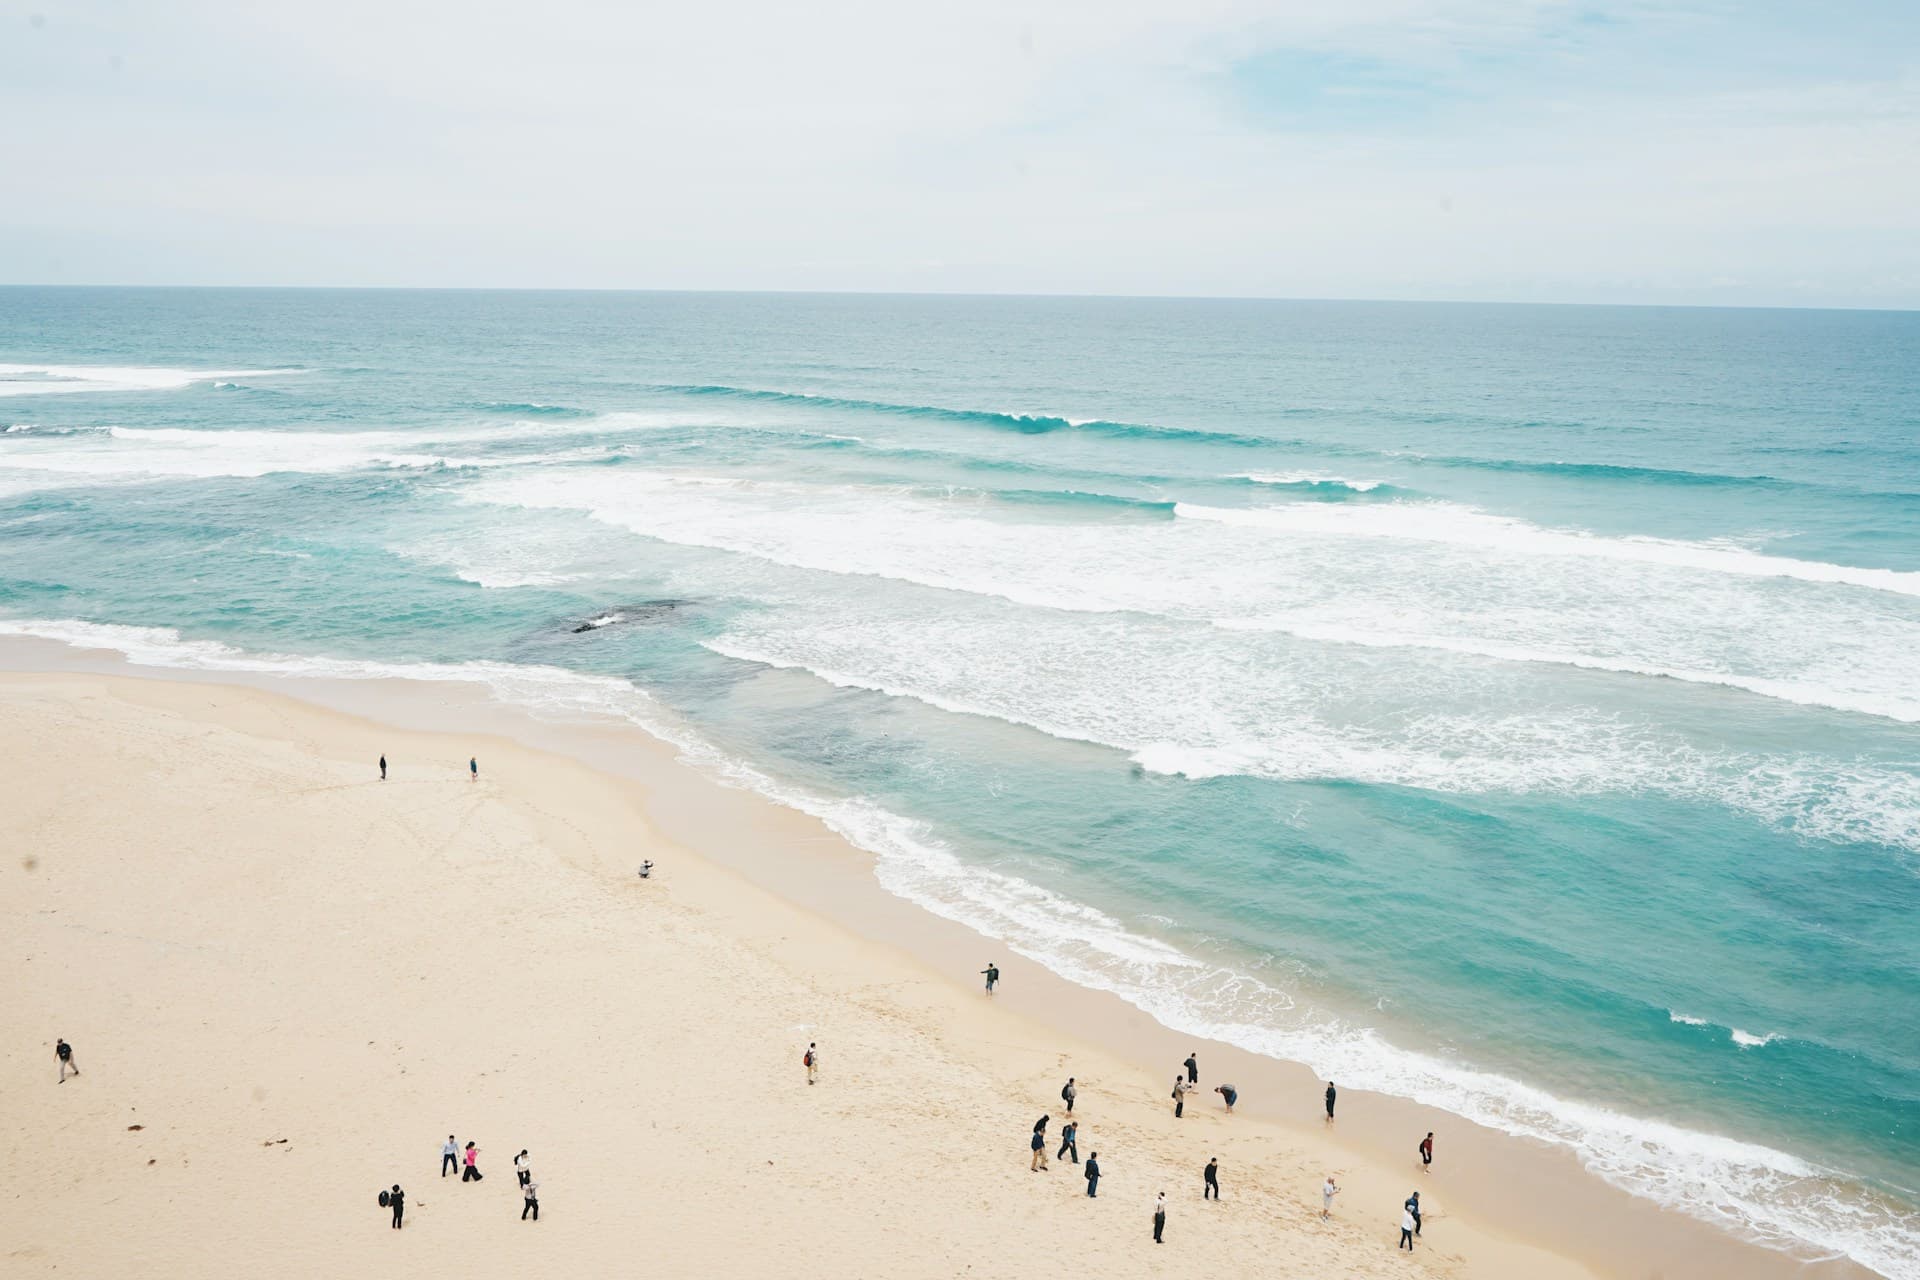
<point x="385" y="1200"/>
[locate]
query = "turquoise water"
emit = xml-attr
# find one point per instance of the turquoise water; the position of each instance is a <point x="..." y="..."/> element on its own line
<point x="1512" y="708"/>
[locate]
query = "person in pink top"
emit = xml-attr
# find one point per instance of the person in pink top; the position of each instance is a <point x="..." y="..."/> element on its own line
<point x="473" y="1170"/>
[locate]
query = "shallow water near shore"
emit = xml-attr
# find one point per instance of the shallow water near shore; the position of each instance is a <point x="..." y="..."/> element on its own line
<point x="1510" y="708"/>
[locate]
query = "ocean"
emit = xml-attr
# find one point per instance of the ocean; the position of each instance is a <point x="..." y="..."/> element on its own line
<point x="1512" y="708"/>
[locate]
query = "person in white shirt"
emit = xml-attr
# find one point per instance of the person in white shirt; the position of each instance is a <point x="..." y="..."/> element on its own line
<point x="1406" y="1229"/>
<point x="523" y="1167"/>
<point x="449" y="1157"/>
<point x="1327" y="1193"/>
<point x="1159" y="1216"/>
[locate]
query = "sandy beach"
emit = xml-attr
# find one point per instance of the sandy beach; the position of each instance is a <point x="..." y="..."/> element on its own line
<point x="287" y="981"/>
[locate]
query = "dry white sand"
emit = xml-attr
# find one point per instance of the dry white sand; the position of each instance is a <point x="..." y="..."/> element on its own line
<point x="287" y="982"/>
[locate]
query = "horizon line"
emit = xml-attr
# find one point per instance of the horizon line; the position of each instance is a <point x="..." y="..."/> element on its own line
<point x="948" y="293"/>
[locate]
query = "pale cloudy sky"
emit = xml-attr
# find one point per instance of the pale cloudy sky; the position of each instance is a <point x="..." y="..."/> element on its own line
<point x="1710" y="151"/>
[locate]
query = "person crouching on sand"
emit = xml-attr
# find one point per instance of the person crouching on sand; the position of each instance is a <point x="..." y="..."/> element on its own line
<point x="1228" y="1094"/>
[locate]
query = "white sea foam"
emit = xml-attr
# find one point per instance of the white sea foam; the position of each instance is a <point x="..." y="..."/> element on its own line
<point x="1456" y="525"/>
<point x="141" y="454"/>
<point x="53" y="379"/>
<point x="1764" y="1194"/>
<point x="1798" y="637"/>
<point x="1288" y="479"/>
<point x="1685" y="1019"/>
<point x="1747" y="1040"/>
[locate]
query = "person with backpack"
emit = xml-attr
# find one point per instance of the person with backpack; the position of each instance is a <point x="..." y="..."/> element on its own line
<point x="1180" y="1087"/>
<point x="1093" y="1176"/>
<point x="1068" y="1093"/>
<point x="811" y="1061"/>
<point x="397" y="1201"/>
<point x="1069" y="1142"/>
<point x="64" y="1051"/>
<point x="992" y="974"/>
<point x="472" y="1173"/>
<point x="449" y="1157"/>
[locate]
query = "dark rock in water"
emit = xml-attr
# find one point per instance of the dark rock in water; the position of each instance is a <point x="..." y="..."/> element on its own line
<point x="642" y="611"/>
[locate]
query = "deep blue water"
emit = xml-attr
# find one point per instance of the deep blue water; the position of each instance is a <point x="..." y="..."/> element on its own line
<point x="1515" y="708"/>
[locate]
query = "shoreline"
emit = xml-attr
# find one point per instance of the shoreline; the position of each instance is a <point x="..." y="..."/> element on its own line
<point x="1508" y="1204"/>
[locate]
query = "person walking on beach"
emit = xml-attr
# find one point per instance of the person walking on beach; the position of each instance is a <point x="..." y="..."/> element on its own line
<point x="1068" y="1093"/>
<point x="1039" y="1148"/>
<point x="1159" y="1216"/>
<point x="1328" y="1191"/>
<point x="1426" y="1154"/>
<point x="992" y="975"/>
<point x="530" y="1192"/>
<point x="383" y="768"/>
<point x="523" y="1167"/>
<point x="64" y="1051"/>
<point x="1407" y="1224"/>
<point x="472" y="1173"/>
<point x="473" y="768"/>
<point x="1212" y="1176"/>
<point x="1093" y="1176"/>
<point x="1192" y="1065"/>
<point x="1330" y="1097"/>
<point x="1413" y="1208"/>
<point x="397" y="1201"/>
<point x="1229" y="1094"/>
<point x="1180" y="1087"/>
<point x="449" y="1157"/>
<point x="1069" y="1142"/>
<point x="811" y="1060"/>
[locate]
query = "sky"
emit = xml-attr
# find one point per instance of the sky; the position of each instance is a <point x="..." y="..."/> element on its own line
<point x="1717" y="152"/>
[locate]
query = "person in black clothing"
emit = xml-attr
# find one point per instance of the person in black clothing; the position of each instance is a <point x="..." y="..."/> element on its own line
<point x="532" y="1206"/>
<point x="1193" y="1070"/>
<point x="397" y="1201"/>
<point x="383" y="768"/>
<point x="1093" y="1176"/>
<point x="1330" y="1093"/>
<point x="1413" y="1207"/>
<point x="1212" y="1175"/>
<point x="64" y="1051"/>
<point x="1159" y="1217"/>
<point x="1069" y="1142"/>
